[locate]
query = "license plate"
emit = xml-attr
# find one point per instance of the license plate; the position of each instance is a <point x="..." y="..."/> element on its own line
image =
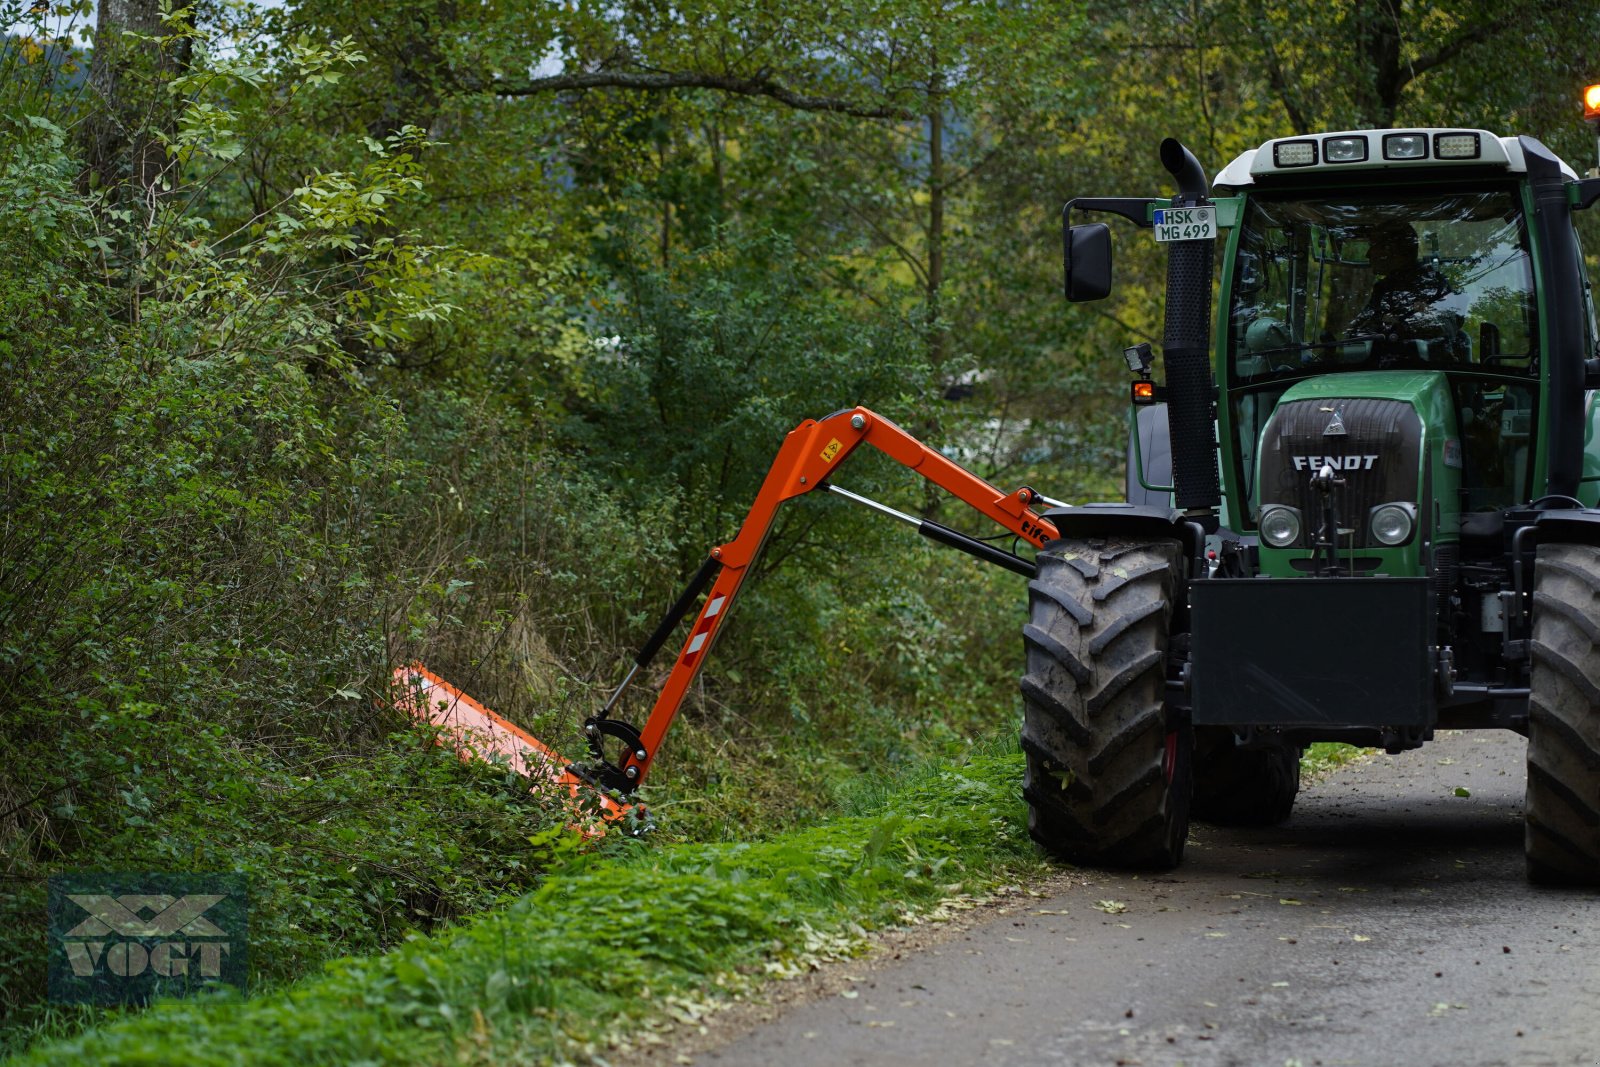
<point x="1186" y="223"/>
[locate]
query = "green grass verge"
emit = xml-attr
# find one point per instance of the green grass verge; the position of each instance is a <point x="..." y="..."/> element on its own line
<point x="1324" y="757"/>
<point x="589" y="957"/>
<point x="581" y="961"/>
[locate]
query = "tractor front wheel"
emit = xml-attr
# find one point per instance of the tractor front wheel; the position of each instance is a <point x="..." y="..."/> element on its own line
<point x="1236" y="786"/>
<point x="1563" y="800"/>
<point x="1108" y="766"/>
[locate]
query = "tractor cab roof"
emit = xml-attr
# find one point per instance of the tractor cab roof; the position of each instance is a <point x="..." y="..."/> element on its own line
<point x="1286" y="160"/>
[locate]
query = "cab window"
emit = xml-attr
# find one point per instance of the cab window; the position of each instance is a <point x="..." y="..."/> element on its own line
<point x="1421" y="282"/>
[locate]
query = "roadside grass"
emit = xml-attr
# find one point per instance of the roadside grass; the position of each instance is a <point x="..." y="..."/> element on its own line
<point x="1324" y="757"/>
<point x="618" y="938"/>
<point x="595" y="955"/>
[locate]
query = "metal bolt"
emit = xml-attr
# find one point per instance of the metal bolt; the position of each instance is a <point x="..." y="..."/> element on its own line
<point x="858" y="422"/>
<point x="640" y="754"/>
<point x="591" y="729"/>
<point x="632" y="772"/>
<point x="802" y="479"/>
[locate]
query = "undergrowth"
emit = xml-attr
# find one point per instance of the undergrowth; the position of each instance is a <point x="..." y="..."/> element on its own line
<point x="263" y="437"/>
<point x="586" y="960"/>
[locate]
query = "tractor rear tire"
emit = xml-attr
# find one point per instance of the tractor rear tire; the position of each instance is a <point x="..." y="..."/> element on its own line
<point x="1236" y="786"/>
<point x="1563" y="798"/>
<point x="1108" y="765"/>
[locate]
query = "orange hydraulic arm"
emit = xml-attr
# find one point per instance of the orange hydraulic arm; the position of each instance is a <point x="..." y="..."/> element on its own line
<point x="810" y="453"/>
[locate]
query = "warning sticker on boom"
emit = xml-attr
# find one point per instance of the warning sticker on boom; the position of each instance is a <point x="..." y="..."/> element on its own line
<point x="1185" y="223"/>
<point x="831" y="450"/>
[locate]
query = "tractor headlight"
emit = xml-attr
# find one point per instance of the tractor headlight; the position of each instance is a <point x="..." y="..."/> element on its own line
<point x="1280" y="526"/>
<point x="1392" y="524"/>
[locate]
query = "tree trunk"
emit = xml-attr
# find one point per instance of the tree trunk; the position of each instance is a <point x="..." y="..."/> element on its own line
<point x="1378" y="37"/>
<point x="418" y="68"/>
<point x="128" y="78"/>
<point x="938" y="338"/>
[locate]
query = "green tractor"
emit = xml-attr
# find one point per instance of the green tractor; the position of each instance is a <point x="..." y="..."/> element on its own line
<point x="1370" y="511"/>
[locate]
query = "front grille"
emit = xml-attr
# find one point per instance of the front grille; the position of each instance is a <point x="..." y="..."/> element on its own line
<point x="1377" y="456"/>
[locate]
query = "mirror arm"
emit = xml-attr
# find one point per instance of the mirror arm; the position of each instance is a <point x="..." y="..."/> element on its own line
<point x="1136" y="209"/>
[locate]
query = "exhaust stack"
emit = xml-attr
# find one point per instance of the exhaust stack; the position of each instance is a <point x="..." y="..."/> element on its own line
<point x="1186" y="346"/>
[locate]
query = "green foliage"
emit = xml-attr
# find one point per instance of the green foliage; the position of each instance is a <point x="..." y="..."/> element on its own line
<point x="1326" y="756"/>
<point x="580" y="961"/>
<point x="700" y="369"/>
<point x="197" y="575"/>
<point x="342" y="335"/>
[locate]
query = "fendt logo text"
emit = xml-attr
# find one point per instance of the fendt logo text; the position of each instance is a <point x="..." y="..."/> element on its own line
<point x="1338" y="463"/>
<point x="168" y="935"/>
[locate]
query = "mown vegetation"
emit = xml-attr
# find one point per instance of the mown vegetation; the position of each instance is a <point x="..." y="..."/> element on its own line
<point x="338" y="335"/>
<point x="593" y="955"/>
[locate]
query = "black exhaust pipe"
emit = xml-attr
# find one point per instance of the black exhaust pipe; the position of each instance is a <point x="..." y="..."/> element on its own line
<point x="1186" y="346"/>
<point x="1552" y="221"/>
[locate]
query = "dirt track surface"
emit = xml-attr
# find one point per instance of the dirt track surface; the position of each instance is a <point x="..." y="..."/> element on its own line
<point x="1388" y="923"/>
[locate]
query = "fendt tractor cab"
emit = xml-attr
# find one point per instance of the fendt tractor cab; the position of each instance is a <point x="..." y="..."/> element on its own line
<point x="1367" y="513"/>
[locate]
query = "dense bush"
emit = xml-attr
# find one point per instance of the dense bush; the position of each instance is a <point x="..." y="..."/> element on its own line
<point x="257" y="449"/>
<point x="219" y="535"/>
<point x="198" y="581"/>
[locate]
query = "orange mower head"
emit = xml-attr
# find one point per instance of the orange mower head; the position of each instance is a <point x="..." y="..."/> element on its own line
<point x="479" y="734"/>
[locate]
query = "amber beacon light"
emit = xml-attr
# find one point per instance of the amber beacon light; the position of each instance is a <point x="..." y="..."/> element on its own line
<point x="1591" y="104"/>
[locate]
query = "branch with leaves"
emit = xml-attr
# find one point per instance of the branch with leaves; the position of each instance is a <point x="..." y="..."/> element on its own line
<point x="756" y="85"/>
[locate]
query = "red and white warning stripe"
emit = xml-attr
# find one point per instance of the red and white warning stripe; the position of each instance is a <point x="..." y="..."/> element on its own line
<point x="702" y="631"/>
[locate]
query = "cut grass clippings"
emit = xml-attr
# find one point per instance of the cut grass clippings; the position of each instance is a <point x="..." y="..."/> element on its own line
<point x="582" y="961"/>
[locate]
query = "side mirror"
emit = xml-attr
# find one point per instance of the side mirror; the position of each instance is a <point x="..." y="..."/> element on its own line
<point x="1088" y="261"/>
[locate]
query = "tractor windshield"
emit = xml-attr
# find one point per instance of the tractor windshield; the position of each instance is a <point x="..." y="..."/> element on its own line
<point x="1427" y="281"/>
<point x="1436" y="282"/>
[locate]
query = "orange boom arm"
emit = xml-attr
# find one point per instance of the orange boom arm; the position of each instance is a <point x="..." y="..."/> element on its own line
<point x="810" y="453"/>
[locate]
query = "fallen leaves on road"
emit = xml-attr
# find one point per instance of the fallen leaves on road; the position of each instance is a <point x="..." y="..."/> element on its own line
<point x="1111" y="907"/>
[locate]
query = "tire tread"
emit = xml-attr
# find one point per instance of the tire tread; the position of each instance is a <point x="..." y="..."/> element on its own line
<point x="1563" y="791"/>
<point x="1095" y="723"/>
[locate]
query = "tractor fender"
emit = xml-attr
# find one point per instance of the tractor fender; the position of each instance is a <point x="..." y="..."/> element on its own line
<point x="1149" y="440"/>
<point x="1133" y="520"/>
<point x="1574" y="526"/>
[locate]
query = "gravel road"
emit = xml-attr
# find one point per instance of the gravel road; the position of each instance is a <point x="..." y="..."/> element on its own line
<point x="1388" y="923"/>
